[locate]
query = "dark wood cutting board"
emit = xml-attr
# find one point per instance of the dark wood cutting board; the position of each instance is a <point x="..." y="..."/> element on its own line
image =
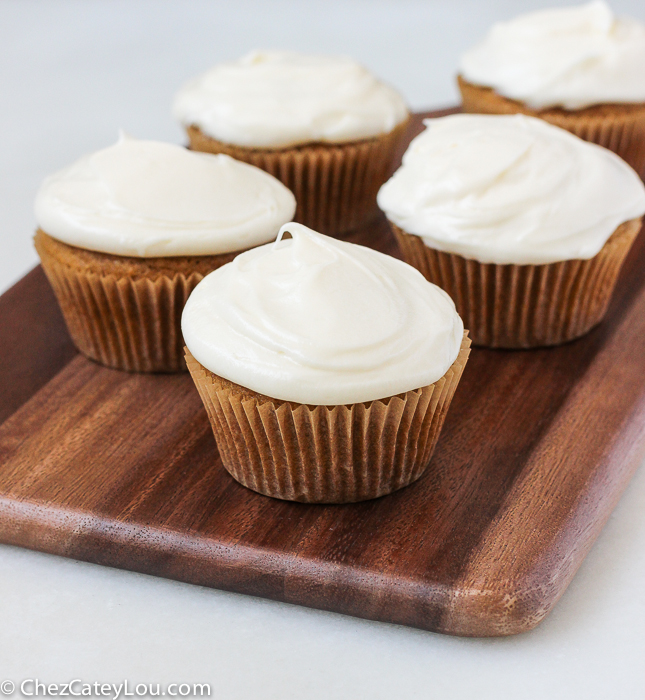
<point x="122" y="470"/>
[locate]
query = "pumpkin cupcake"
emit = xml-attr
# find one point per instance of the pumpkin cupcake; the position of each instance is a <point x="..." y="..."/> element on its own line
<point x="524" y="224"/>
<point x="126" y="233"/>
<point x="323" y="125"/>
<point x="580" y="68"/>
<point x="326" y="368"/>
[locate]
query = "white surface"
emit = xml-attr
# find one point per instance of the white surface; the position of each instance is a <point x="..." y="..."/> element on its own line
<point x="72" y="73"/>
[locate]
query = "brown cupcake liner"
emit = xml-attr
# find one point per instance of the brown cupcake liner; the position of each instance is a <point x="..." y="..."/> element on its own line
<point x="335" y="185"/>
<point x="124" y="312"/>
<point x="326" y="454"/>
<point x="618" y="127"/>
<point x="525" y="306"/>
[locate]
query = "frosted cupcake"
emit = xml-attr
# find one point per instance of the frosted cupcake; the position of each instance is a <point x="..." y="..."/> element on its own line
<point x="525" y="225"/>
<point x="126" y="233"/>
<point x="579" y="68"/>
<point x="323" y="125"/>
<point x="326" y="368"/>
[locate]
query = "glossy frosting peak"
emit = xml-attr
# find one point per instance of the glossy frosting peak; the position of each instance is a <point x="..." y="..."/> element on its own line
<point x="274" y="99"/>
<point x="319" y="321"/>
<point x="152" y="199"/>
<point x="570" y="57"/>
<point x="510" y="189"/>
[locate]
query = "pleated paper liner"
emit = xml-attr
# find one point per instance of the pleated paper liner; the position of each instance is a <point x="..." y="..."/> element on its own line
<point x="326" y="454"/>
<point x="124" y="312"/>
<point x="618" y="127"/>
<point x="335" y="185"/>
<point x="525" y="306"/>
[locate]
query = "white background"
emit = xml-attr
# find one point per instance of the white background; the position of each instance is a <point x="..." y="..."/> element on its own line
<point x="72" y="74"/>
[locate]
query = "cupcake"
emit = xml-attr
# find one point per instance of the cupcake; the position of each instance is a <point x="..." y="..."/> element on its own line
<point x="323" y="125"/>
<point x="579" y="68"/>
<point x="126" y="233"/>
<point x="525" y="225"/>
<point x="326" y="368"/>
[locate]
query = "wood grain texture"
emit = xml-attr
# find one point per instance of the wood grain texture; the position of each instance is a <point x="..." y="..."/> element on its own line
<point x="122" y="470"/>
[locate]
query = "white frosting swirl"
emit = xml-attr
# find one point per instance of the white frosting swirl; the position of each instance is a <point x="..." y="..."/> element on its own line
<point x="274" y="99"/>
<point x="319" y="321"/>
<point x="571" y="57"/>
<point x="510" y="189"/>
<point x="152" y="199"/>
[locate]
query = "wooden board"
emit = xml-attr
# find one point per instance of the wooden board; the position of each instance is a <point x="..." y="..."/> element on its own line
<point x="122" y="470"/>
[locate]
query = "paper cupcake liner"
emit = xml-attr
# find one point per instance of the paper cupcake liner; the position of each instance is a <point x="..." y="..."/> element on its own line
<point x="620" y="128"/>
<point x="326" y="454"/>
<point x="335" y="185"/>
<point x="126" y="321"/>
<point x="524" y="306"/>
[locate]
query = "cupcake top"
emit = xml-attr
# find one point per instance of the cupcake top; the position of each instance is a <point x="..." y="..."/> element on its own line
<point x="275" y="99"/>
<point x="152" y="199"/>
<point x="319" y="321"/>
<point x="510" y="189"/>
<point x="570" y="57"/>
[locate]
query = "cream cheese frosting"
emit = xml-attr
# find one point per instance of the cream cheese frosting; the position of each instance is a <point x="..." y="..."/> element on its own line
<point x="320" y="321"/>
<point x="510" y="189"/>
<point x="571" y="57"/>
<point x="152" y="199"/>
<point x="275" y="99"/>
